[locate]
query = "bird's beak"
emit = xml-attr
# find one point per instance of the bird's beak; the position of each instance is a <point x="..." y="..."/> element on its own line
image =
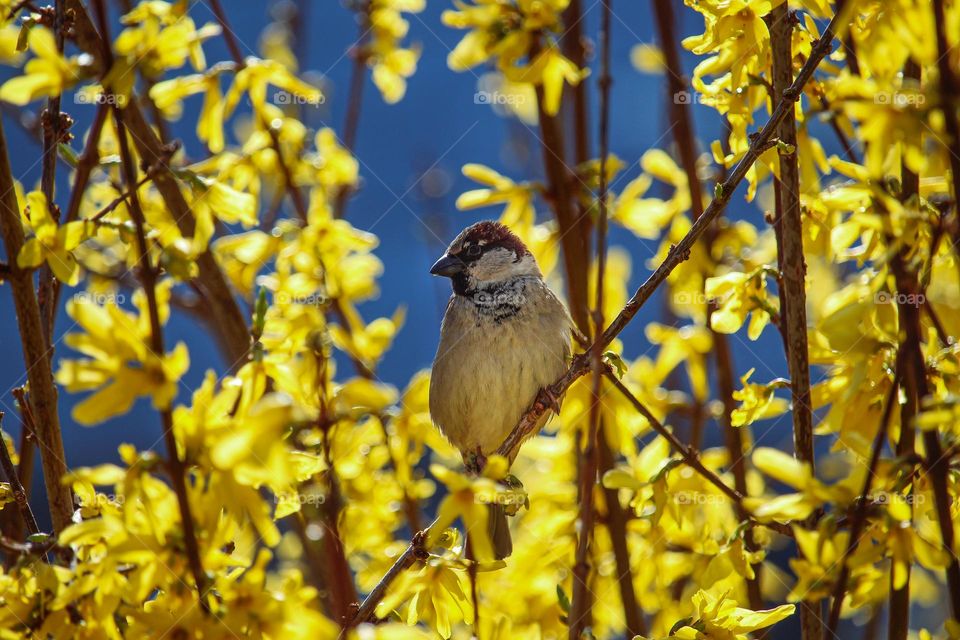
<point x="448" y="266"/>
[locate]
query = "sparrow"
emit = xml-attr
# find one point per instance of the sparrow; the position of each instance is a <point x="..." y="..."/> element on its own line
<point x="505" y="337"/>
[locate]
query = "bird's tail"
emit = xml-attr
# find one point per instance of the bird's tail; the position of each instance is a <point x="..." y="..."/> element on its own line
<point x="499" y="531"/>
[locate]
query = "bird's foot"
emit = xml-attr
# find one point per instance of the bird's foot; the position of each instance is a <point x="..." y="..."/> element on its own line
<point x="474" y="462"/>
<point x="548" y="399"/>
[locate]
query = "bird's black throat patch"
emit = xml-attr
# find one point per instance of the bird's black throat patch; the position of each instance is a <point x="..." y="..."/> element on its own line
<point x="498" y="301"/>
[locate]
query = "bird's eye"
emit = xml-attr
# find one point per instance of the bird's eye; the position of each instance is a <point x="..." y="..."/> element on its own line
<point x="474" y="251"/>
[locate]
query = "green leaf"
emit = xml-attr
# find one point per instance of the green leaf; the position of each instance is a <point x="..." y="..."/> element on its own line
<point x="613" y="359"/>
<point x="563" y="599"/>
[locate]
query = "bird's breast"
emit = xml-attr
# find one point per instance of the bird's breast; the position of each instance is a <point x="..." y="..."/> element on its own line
<point x="495" y="353"/>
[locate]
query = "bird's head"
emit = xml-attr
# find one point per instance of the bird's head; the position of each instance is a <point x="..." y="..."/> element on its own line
<point x="483" y="255"/>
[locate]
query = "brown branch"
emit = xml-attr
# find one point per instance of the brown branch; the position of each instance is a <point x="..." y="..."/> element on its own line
<point x="28" y="438"/>
<point x="19" y="495"/>
<point x="616" y="522"/>
<point x="224" y="317"/>
<point x="415" y="551"/>
<point x="43" y="394"/>
<point x="685" y="138"/>
<point x="724" y="190"/>
<point x="680" y="119"/>
<point x="691" y="456"/>
<point x="573" y="43"/>
<point x="938" y="465"/>
<point x="559" y="179"/>
<point x="858" y="520"/>
<point x="788" y="226"/>
<point x="53" y="125"/>
<point x="898" y="619"/>
<point x="147" y="274"/>
<point x="581" y="607"/>
<point x="351" y="122"/>
<point x="849" y="47"/>
<point x="949" y="99"/>
<point x="87" y="162"/>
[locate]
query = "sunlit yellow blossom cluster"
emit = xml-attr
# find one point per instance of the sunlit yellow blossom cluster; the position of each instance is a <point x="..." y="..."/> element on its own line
<point x="293" y="481"/>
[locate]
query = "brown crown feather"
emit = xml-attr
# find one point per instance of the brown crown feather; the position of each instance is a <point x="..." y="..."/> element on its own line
<point x="489" y="233"/>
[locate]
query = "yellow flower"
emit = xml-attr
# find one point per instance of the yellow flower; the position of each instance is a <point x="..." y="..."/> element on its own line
<point x="120" y="366"/>
<point x="161" y="36"/>
<point x="52" y="243"/>
<point x="757" y="401"/>
<point x="254" y="78"/>
<point x="550" y="69"/>
<point x="719" y="618"/>
<point x="739" y="295"/>
<point x="517" y="196"/>
<point x="48" y="74"/>
<point x="467" y="498"/>
<point x="169" y="95"/>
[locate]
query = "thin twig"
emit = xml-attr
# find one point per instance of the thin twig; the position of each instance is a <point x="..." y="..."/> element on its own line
<point x="616" y="522"/>
<point x="53" y="126"/>
<point x="116" y="202"/>
<point x="683" y="132"/>
<point x="691" y="456"/>
<point x="28" y="438"/>
<point x="223" y="313"/>
<point x="581" y="606"/>
<point x="147" y="273"/>
<point x="351" y="122"/>
<point x="19" y="495"/>
<point x="859" y="519"/>
<point x="43" y="395"/>
<point x="415" y="551"/>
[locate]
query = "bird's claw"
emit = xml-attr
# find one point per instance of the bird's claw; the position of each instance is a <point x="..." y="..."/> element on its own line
<point x="548" y="399"/>
<point x="474" y="461"/>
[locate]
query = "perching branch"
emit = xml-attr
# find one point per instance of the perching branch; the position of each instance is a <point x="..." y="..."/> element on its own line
<point x="681" y="251"/>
